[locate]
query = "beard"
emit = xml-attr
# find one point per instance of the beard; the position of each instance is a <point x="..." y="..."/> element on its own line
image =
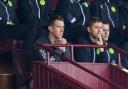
<point x="94" y="36"/>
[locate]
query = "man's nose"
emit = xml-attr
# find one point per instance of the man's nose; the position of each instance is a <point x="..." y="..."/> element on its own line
<point x="106" y="32"/>
<point x="62" y="29"/>
<point x="99" y="31"/>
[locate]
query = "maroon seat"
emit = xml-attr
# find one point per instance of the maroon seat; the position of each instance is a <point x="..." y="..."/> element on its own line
<point x="22" y="63"/>
<point x="7" y="72"/>
<point x="6" y="45"/>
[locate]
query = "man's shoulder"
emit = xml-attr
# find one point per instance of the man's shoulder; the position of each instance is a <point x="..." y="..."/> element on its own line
<point x="82" y="40"/>
<point x="42" y="40"/>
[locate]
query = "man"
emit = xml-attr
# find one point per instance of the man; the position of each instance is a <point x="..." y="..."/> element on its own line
<point x="105" y="32"/>
<point x="95" y="34"/>
<point x="53" y="36"/>
<point x="108" y="10"/>
<point x="110" y="53"/>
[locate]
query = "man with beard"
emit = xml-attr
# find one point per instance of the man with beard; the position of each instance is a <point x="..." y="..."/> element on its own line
<point x="95" y="36"/>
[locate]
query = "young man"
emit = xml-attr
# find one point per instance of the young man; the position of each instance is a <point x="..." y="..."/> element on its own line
<point x="53" y="36"/>
<point x="95" y="36"/>
<point x="110" y="52"/>
<point x="105" y="32"/>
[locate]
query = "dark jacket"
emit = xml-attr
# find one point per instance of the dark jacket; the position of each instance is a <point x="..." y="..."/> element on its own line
<point x="7" y="9"/>
<point x="32" y="12"/>
<point x="10" y="28"/>
<point x="106" y="10"/>
<point x="41" y="53"/>
<point x="124" y="60"/>
<point x="93" y="54"/>
<point x="76" y="14"/>
<point x="73" y="11"/>
<point x="123" y="9"/>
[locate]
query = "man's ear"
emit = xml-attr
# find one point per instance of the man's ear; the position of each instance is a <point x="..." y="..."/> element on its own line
<point x="50" y="28"/>
<point x="88" y="29"/>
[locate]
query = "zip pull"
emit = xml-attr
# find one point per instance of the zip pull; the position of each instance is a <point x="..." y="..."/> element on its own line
<point x="38" y="9"/>
<point x="10" y="23"/>
<point x="8" y="17"/>
<point x="9" y="3"/>
<point x="42" y="2"/>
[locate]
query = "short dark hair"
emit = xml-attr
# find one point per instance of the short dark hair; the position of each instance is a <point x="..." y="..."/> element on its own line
<point x="53" y="18"/>
<point x="93" y="20"/>
<point x="105" y="22"/>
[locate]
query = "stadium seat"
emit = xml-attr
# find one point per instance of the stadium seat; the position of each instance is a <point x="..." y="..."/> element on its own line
<point x="22" y="64"/>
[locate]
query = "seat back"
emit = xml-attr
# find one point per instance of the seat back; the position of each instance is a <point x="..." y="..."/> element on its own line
<point x="6" y="45"/>
<point x="22" y="64"/>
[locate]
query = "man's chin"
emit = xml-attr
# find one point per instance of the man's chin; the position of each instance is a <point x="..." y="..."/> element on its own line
<point x="59" y="37"/>
<point x="106" y="39"/>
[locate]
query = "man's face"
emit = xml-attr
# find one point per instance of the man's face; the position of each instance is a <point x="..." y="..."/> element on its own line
<point x="95" y="30"/>
<point x="57" y="29"/>
<point x="105" y="32"/>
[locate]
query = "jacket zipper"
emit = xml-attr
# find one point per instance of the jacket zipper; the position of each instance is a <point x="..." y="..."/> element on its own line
<point x="109" y="15"/>
<point x="81" y="11"/>
<point x="8" y="17"/>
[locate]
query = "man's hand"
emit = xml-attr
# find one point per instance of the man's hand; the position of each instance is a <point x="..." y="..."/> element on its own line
<point x="61" y="41"/>
<point x="100" y="42"/>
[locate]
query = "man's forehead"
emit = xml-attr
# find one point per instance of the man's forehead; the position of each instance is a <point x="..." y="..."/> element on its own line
<point x="105" y="24"/>
<point x="97" y="23"/>
<point x="58" y="22"/>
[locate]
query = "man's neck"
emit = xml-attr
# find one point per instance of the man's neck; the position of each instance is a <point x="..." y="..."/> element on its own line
<point x="52" y="38"/>
<point x="105" y="43"/>
<point x="93" y="39"/>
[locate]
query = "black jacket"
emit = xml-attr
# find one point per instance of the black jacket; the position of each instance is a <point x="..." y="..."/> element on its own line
<point x="7" y="9"/>
<point x="32" y="12"/>
<point x="123" y="9"/>
<point x="124" y="60"/>
<point x="73" y="11"/>
<point x="93" y="54"/>
<point x="106" y="10"/>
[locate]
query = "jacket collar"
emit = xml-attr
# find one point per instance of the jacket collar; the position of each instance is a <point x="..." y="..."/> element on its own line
<point x="105" y="1"/>
<point x="74" y="0"/>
